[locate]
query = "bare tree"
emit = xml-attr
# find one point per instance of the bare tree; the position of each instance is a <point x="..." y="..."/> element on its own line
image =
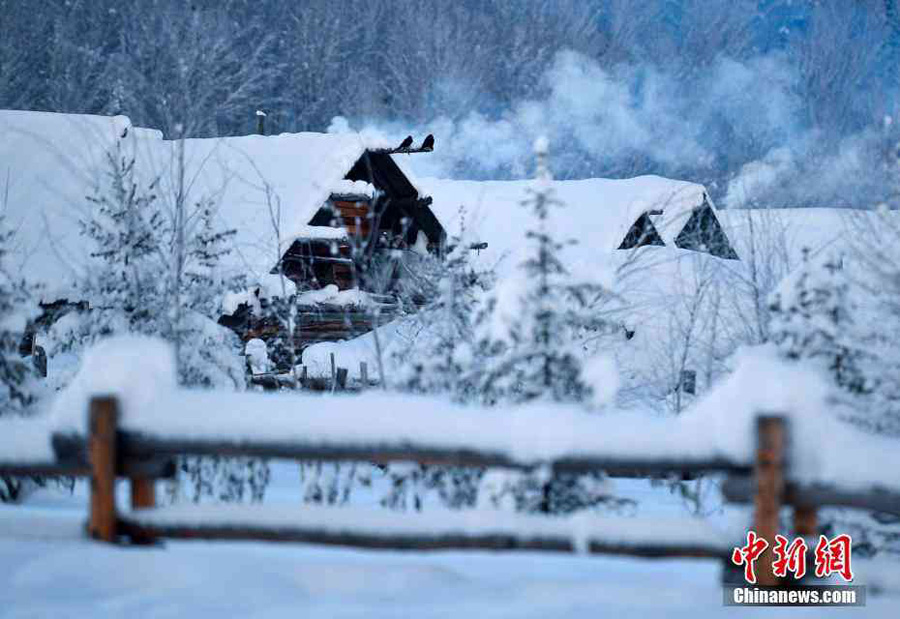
<point x="763" y="241"/>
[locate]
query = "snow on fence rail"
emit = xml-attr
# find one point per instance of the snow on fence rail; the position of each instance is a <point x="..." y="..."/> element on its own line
<point x="140" y="444"/>
<point x="382" y="427"/>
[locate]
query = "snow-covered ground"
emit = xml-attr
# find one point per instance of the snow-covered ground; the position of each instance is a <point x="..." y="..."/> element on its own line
<point x="48" y="569"/>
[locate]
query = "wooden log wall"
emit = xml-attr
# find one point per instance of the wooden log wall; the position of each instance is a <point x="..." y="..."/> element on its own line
<point x="356" y="218"/>
<point x="323" y="324"/>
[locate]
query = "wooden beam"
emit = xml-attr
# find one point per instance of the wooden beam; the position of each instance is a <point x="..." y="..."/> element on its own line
<point x="103" y="419"/>
<point x="139" y="445"/>
<point x="769" y="473"/>
<point x="313" y="259"/>
<point x="421" y="542"/>
<point x="333" y="372"/>
<point x="341" y="378"/>
<point x="73" y="460"/>
<point x="341" y="201"/>
<point x="739" y="489"/>
<point x="351" y="208"/>
<point x="45" y="469"/>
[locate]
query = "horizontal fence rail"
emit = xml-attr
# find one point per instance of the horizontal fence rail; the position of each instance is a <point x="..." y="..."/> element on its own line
<point x="382" y="529"/>
<point x="135" y="447"/>
<point x="45" y="469"/>
<point x="742" y="489"/>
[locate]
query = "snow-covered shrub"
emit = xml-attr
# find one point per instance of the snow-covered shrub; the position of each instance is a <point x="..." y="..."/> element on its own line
<point x="410" y="485"/>
<point x="331" y="483"/>
<point x="155" y="270"/>
<point x="19" y="386"/>
<point x="814" y="318"/>
<point x="441" y="359"/>
<point x="18" y="379"/>
<point x="257" y="355"/>
<point x="841" y="314"/>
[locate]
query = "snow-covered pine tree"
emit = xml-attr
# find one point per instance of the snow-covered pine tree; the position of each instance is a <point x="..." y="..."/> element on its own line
<point x="18" y="379"/>
<point x="533" y="320"/>
<point x="155" y="271"/>
<point x="123" y="284"/>
<point x="208" y="354"/>
<point x="813" y="318"/>
<point x="19" y="386"/>
<point x="530" y="339"/>
<point x="841" y="315"/>
<point x="440" y="360"/>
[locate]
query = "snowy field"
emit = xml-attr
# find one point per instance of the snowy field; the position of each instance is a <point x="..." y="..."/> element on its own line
<point x="48" y="569"/>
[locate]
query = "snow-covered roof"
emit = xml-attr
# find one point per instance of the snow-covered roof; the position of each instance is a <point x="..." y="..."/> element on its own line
<point x="257" y="181"/>
<point x="596" y="212"/>
<point x="796" y="229"/>
<point x="50" y="163"/>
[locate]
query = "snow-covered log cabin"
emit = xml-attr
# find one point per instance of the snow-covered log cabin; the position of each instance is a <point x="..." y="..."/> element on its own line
<point x="332" y="213"/>
<point x="315" y="208"/>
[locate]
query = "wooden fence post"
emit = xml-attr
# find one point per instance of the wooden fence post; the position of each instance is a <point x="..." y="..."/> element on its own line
<point x="364" y="374"/>
<point x="143" y="496"/>
<point x="769" y="473"/>
<point x="333" y="373"/>
<point x="341" y="378"/>
<point x="103" y="420"/>
<point x="806" y="521"/>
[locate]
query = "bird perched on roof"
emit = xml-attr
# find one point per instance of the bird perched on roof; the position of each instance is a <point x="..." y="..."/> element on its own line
<point x="428" y="142"/>
<point x="407" y="142"/>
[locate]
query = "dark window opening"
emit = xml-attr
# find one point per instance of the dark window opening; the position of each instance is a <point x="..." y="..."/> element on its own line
<point x="641" y="233"/>
<point x="702" y="232"/>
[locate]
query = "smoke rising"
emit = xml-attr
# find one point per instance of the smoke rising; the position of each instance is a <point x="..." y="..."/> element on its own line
<point x="739" y="127"/>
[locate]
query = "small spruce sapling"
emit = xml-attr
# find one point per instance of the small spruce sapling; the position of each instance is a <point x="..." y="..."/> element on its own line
<point x="531" y="330"/>
<point x="440" y="360"/>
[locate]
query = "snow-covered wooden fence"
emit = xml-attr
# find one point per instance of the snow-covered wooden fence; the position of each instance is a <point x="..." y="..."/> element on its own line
<point x="142" y="448"/>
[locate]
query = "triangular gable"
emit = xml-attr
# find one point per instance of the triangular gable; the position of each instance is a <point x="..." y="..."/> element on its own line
<point x="403" y="201"/>
<point x="702" y="232"/>
<point x="641" y="233"/>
